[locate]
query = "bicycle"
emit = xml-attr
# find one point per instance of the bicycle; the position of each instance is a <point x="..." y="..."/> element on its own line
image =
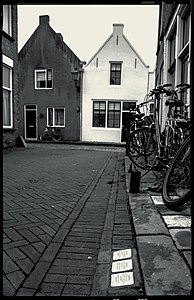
<point x="139" y="118"/>
<point x="147" y="145"/>
<point x="176" y="188"/>
<point x="51" y="133"/>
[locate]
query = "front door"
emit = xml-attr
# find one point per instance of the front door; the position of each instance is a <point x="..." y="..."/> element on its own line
<point x="30" y="122"/>
<point x="126" y="119"/>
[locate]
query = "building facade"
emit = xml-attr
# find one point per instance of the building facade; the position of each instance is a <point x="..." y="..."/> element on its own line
<point x="10" y="105"/>
<point x="48" y="94"/>
<point x="173" y="63"/>
<point x="114" y="81"/>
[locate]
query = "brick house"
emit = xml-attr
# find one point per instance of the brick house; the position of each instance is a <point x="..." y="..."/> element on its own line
<point x="10" y="75"/>
<point x="173" y="62"/>
<point x="48" y="94"/>
<point x="114" y="80"/>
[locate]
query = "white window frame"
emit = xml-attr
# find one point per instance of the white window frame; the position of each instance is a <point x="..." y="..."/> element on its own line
<point x="9" y="15"/>
<point x="121" y="64"/>
<point x="8" y="63"/>
<point x="106" y="114"/>
<point x="54" y="108"/>
<point x="45" y="71"/>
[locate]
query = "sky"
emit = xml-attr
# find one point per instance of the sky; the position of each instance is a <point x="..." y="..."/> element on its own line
<point x="86" y="27"/>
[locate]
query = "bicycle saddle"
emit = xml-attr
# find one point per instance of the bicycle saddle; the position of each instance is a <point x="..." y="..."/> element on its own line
<point x="173" y="102"/>
<point x="139" y="116"/>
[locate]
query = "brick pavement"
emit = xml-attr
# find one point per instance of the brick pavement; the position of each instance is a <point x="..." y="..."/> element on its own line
<point x="65" y="212"/>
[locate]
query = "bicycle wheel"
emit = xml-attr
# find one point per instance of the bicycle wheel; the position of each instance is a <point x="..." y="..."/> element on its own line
<point x="177" y="181"/>
<point x="56" y="136"/>
<point x="45" y="135"/>
<point x="173" y="141"/>
<point x="141" y="148"/>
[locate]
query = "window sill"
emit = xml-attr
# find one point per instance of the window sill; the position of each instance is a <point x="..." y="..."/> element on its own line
<point x="9" y="129"/>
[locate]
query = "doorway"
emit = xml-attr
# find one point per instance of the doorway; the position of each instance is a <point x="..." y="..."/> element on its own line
<point x="127" y="118"/>
<point x="30" y="121"/>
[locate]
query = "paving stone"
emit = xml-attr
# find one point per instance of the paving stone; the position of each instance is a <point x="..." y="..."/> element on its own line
<point x="13" y="234"/>
<point x="56" y="278"/>
<point x="16" y="278"/>
<point x="35" y="278"/>
<point x="31" y="252"/>
<point x="177" y="221"/>
<point x="145" y="216"/>
<point x="8" y="289"/>
<point x="54" y="288"/>
<point x="15" y="244"/>
<point x="8" y="264"/>
<point x="28" y="235"/>
<point x="71" y="270"/>
<point x="78" y="290"/>
<point x="182" y="238"/>
<point x="15" y="253"/>
<point x="25" y="264"/>
<point x="40" y="246"/>
<point x="188" y="257"/>
<point x="164" y="271"/>
<point x="50" y="252"/>
<point x="25" y="292"/>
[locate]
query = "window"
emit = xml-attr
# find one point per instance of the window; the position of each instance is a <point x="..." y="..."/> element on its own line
<point x="114" y="112"/>
<point x="7" y="19"/>
<point x="115" y="73"/>
<point x="171" y="69"/>
<point x="185" y="30"/>
<point x="99" y="113"/>
<point x="7" y="97"/>
<point x="129" y="105"/>
<point x="44" y="79"/>
<point x="172" y="41"/>
<point x="56" y="117"/>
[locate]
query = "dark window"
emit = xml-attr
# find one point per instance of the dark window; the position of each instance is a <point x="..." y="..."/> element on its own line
<point x="172" y="48"/>
<point x="99" y="113"/>
<point x="129" y="105"/>
<point x="114" y="112"/>
<point x="185" y="30"/>
<point x="115" y="73"/>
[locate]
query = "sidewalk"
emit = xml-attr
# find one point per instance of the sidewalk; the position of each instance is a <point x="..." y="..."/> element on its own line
<point x="163" y="240"/>
<point x="72" y="228"/>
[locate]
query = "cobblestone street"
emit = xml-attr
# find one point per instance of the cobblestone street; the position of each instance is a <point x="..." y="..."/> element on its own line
<point x="65" y="212"/>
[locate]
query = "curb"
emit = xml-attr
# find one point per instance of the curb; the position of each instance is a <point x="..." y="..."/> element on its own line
<point x="164" y="269"/>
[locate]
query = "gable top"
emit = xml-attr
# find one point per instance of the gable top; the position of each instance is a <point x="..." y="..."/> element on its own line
<point x="45" y="20"/>
<point x="117" y="30"/>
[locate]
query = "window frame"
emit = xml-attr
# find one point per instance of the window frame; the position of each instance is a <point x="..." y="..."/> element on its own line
<point x="100" y="112"/>
<point x="53" y="116"/>
<point x="115" y="111"/>
<point x="46" y="78"/>
<point x="10" y="90"/>
<point x="106" y="114"/>
<point x="9" y="15"/>
<point x="115" y="71"/>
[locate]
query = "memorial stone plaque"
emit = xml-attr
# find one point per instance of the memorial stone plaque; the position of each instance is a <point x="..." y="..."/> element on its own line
<point x="121" y="254"/>
<point x="122" y="265"/>
<point x="120" y="279"/>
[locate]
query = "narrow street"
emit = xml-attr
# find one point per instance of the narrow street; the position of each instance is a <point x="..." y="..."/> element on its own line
<point x="66" y="212"/>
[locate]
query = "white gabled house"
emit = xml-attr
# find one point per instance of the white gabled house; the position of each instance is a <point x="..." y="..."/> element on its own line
<point x="114" y="81"/>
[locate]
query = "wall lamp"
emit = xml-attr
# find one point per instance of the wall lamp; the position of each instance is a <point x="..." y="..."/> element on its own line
<point x="76" y="78"/>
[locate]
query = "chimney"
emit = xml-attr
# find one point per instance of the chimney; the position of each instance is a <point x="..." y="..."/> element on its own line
<point x="44" y="20"/>
<point x="118" y="29"/>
